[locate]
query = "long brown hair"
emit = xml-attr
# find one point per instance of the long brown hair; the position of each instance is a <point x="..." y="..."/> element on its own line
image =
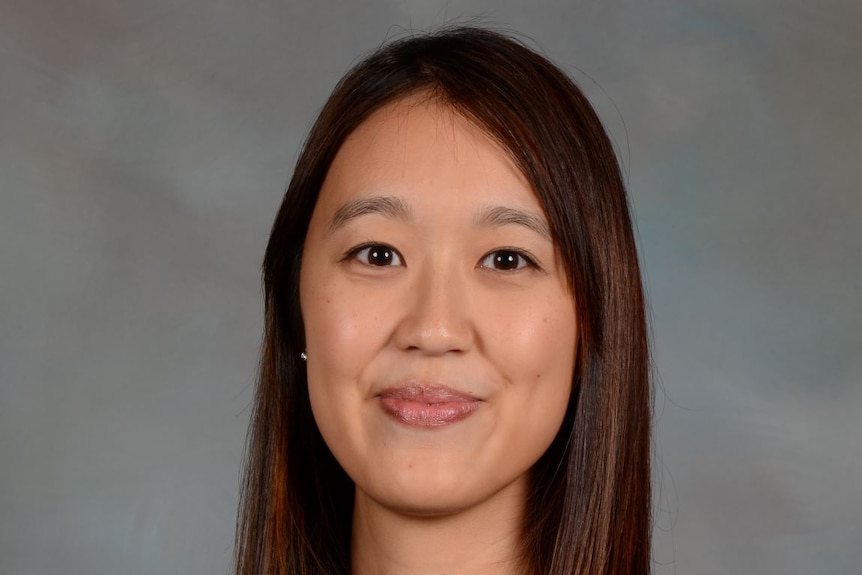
<point x="589" y="504"/>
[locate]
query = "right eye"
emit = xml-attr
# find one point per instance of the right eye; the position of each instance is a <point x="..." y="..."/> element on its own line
<point x="378" y="255"/>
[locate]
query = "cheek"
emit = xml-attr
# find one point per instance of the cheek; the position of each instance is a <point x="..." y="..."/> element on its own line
<point x="343" y="333"/>
<point x="334" y="333"/>
<point x="331" y="324"/>
<point x="536" y="354"/>
<point x="336" y="321"/>
<point x="542" y="340"/>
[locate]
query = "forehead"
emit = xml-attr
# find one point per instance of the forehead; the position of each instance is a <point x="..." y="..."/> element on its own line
<point x="425" y="151"/>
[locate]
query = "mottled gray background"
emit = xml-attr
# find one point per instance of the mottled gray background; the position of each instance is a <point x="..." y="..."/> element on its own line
<point x="144" y="147"/>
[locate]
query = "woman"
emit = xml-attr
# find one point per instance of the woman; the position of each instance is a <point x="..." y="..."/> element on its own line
<point x="455" y="371"/>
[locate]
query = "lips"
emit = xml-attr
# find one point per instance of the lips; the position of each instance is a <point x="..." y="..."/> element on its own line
<point x="427" y="405"/>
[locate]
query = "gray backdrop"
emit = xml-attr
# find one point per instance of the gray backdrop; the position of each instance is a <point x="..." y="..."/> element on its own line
<point x="144" y="147"/>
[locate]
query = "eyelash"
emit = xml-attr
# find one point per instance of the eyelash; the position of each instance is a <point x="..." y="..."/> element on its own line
<point x="526" y="259"/>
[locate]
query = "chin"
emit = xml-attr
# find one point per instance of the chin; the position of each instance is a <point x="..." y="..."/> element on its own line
<point x="422" y="492"/>
<point x="412" y="502"/>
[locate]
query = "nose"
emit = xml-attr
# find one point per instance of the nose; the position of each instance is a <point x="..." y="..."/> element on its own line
<point x="436" y="319"/>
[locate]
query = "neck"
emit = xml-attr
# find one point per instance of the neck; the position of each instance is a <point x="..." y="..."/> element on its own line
<point x="484" y="539"/>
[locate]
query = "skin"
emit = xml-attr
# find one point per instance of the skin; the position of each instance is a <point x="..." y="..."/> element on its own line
<point x="454" y="297"/>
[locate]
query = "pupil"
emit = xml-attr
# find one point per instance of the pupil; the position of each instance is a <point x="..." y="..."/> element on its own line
<point x="507" y="260"/>
<point x="381" y="257"/>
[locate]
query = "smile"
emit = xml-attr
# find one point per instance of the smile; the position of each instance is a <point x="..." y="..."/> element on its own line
<point x="427" y="406"/>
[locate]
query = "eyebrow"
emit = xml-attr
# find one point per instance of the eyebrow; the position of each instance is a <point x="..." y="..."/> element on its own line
<point x="389" y="206"/>
<point x="496" y="216"/>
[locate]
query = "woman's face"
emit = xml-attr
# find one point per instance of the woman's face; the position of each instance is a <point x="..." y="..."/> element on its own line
<point x="440" y="330"/>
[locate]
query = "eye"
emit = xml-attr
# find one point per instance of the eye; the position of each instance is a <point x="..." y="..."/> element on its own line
<point x="378" y="255"/>
<point x="507" y="261"/>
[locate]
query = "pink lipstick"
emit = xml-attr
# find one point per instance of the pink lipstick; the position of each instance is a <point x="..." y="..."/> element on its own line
<point x="427" y="405"/>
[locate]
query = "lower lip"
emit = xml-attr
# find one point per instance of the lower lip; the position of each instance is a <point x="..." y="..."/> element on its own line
<point x="422" y="414"/>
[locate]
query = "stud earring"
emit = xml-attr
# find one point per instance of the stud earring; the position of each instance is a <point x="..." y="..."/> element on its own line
<point x="303" y="356"/>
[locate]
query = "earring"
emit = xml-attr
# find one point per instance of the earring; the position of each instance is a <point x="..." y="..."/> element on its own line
<point x="303" y="356"/>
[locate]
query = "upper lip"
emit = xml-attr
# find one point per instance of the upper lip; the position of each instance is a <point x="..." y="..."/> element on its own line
<point x="427" y="393"/>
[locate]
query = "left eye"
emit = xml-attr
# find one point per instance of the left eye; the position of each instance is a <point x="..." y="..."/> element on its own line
<point x="506" y="261"/>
